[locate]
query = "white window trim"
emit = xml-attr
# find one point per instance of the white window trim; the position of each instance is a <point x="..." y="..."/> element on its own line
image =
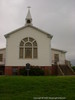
<point x="28" y="47"/>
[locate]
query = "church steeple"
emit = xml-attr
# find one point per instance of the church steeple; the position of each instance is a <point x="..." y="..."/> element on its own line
<point x="28" y="17"/>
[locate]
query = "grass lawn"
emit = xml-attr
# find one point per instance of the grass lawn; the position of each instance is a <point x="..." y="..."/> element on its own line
<point x="25" y="88"/>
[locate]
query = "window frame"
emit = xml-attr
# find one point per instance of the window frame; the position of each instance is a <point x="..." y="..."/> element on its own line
<point x="1" y="57"/>
<point x="56" y="57"/>
<point x="32" y="48"/>
<point x="14" y="70"/>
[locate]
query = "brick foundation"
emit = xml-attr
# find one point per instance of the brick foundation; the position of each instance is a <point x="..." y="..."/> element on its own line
<point x="48" y="70"/>
<point x="8" y="70"/>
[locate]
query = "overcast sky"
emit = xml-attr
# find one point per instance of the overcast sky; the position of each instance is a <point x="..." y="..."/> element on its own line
<point x="56" y="17"/>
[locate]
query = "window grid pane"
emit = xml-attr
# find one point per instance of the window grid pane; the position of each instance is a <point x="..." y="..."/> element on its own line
<point x="34" y="43"/>
<point x="21" y="52"/>
<point x="25" y="39"/>
<point x="28" y="44"/>
<point x="28" y="52"/>
<point x="31" y="39"/>
<point x="34" y="52"/>
<point x="22" y="43"/>
<point x="1" y="57"/>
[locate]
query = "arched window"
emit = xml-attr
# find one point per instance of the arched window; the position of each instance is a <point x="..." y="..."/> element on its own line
<point x="28" y="48"/>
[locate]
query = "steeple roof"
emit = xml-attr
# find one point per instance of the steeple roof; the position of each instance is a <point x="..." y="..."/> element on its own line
<point x="28" y="14"/>
<point x="28" y="18"/>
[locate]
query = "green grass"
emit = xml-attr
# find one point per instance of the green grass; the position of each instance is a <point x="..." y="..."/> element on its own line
<point x="25" y="88"/>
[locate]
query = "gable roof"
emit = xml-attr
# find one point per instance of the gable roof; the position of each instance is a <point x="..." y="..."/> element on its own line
<point x="58" y="50"/>
<point x="49" y="35"/>
<point x="2" y="49"/>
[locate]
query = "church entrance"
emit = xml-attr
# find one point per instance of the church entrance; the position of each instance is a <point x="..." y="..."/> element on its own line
<point x="2" y="69"/>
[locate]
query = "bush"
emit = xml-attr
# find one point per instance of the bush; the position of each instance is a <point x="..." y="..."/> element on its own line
<point x="73" y="67"/>
<point x="23" y="71"/>
<point x="34" y="71"/>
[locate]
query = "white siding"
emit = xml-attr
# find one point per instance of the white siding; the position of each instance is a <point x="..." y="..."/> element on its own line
<point x="44" y="48"/>
<point x="61" y="56"/>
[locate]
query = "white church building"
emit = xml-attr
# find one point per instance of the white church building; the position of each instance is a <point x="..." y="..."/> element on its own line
<point x="29" y="44"/>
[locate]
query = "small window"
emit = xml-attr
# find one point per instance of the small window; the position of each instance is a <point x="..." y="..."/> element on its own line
<point x="15" y="71"/>
<point x="56" y="57"/>
<point x="1" y="57"/>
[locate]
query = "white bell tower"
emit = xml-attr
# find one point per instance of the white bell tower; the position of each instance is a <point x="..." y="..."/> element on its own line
<point x="28" y="17"/>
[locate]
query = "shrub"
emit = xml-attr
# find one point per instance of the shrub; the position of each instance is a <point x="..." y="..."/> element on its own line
<point x="23" y="71"/>
<point x="34" y="71"/>
<point x="73" y="67"/>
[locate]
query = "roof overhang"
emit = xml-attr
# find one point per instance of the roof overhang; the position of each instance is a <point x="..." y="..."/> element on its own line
<point x="59" y="50"/>
<point x="7" y="35"/>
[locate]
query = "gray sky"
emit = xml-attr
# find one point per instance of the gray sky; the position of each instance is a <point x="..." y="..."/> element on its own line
<point x="57" y="17"/>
